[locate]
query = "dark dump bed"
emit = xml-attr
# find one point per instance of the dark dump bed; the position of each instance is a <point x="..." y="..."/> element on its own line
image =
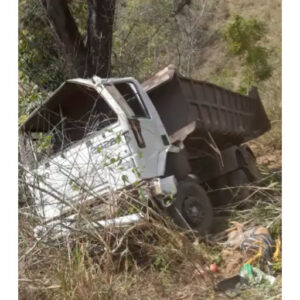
<point x="228" y="116"/>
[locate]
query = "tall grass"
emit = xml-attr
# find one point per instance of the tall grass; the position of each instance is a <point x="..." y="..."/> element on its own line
<point x="150" y="259"/>
<point x="82" y="267"/>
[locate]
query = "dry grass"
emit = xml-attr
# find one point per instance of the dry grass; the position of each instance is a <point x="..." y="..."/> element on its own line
<point x="149" y="260"/>
<point x="143" y="261"/>
<point x="262" y="207"/>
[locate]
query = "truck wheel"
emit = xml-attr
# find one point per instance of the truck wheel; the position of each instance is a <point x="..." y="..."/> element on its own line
<point x="239" y="179"/>
<point x="192" y="204"/>
<point x="250" y="165"/>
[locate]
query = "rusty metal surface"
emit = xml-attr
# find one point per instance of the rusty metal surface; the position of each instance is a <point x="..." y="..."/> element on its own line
<point x="228" y="116"/>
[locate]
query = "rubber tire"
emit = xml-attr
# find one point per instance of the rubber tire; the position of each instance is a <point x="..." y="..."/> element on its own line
<point x="252" y="166"/>
<point x="239" y="178"/>
<point x="253" y="172"/>
<point x="191" y="190"/>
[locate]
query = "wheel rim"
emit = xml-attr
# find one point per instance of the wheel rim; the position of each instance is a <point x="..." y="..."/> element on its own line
<point x="193" y="210"/>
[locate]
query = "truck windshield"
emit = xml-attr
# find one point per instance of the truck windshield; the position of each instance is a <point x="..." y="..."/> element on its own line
<point x="79" y="111"/>
<point x="72" y="130"/>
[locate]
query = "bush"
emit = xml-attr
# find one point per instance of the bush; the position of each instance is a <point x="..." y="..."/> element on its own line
<point x="243" y="38"/>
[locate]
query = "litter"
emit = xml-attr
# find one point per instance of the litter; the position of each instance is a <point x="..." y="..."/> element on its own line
<point x="248" y="276"/>
<point x="230" y="283"/>
<point x="213" y="268"/>
<point x="255" y="276"/>
<point x="277" y="250"/>
<point x="256" y="242"/>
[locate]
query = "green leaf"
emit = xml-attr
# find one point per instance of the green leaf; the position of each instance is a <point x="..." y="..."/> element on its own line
<point x="140" y="154"/>
<point x="125" y="179"/>
<point x="118" y="139"/>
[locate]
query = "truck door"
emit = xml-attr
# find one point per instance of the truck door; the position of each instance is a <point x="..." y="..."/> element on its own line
<point x="151" y="140"/>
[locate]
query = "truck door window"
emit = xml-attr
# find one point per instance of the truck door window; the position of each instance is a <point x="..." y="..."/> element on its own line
<point x="133" y="99"/>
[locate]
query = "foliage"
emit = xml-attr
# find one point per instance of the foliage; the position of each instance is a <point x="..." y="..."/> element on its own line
<point x="263" y="205"/>
<point x="29" y="96"/>
<point x="41" y="67"/>
<point x="78" y="9"/>
<point x="224" y="78"/>
<point x="39" y="58"/>
<point x="243" y="37"/>
<point x="141" y="34"/>
<point x="147" y="37"/>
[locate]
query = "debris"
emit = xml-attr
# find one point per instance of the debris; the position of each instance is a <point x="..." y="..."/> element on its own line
<point x="246" y="269"/>
<point x="231" y="285"/>
<point x="213" y="268"/>
<point x="228" y="283"/>
<point x="232" y="261"/>
<point x="255" y="276"/>
<point x="235" y="235"/>
<point x="277" y="250"/>
<point x="255" y="242"/>
<point x="247" y="276"/>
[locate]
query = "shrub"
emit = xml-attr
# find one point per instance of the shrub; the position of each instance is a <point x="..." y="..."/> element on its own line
<point x="243" y="38"/>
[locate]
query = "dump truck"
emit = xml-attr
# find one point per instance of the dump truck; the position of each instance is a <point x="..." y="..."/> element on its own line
<point x="185" y="138"/>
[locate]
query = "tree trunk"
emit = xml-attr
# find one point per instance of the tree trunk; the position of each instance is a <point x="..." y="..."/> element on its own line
<point x="67" y="32"/>
<point x="94" y="58"/>
<point x="100" y="18"/>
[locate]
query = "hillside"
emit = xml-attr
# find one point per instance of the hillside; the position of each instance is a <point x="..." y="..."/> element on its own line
<point x="155" y="260"/>
<point x="217" y="66"/>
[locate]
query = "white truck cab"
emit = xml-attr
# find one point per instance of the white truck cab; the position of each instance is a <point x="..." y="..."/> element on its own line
<point x="105" y="135"/>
